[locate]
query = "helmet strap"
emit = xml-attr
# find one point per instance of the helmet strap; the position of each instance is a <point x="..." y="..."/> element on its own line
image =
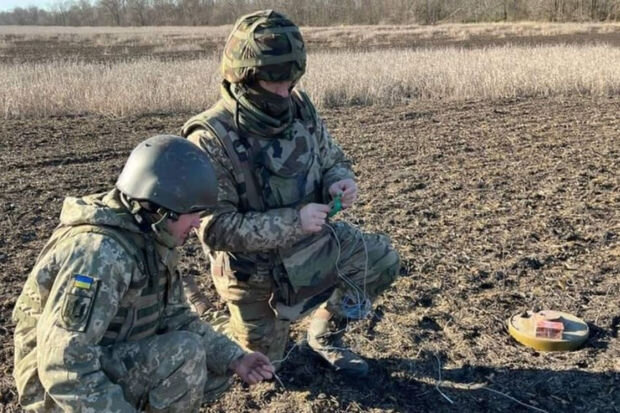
<point x="160" y="229"/>
<point x="158" y="225"/>
<point x="137" y="211"/>
<point x="147" y="220"/>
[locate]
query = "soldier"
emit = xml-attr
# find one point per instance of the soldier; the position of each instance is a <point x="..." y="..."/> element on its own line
<point x="102" y="324"/>
<point x="274" y="255"/>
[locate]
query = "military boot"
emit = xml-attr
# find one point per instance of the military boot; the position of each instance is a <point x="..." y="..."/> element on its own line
<point x="197" y="300"/>
<point x="326" y="343"/>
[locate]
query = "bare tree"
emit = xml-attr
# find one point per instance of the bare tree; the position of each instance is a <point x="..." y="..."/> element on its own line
<point x="115" y="8"/>
<point x="312" y="12"/>
<point x="60" y="10"/>
<point x="137" y="12"/>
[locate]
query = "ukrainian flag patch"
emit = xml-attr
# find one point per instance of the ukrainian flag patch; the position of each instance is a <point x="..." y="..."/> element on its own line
<point x="83" y="281"/>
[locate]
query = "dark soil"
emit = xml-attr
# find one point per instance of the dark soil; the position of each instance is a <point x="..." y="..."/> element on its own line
<point x="494" y="207"/>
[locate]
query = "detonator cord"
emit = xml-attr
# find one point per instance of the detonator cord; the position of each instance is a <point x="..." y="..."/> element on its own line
<point x="358" y="307"/>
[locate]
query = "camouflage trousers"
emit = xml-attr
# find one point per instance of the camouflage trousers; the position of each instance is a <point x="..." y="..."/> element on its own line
<point x="368" y="261"/>
<point x="164" y="373"/>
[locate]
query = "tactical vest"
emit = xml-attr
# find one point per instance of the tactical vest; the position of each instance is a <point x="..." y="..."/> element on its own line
<point x="243" y="152"/>
<point x="278" y="172"/>
<point x="137" y="317"/>
<point x="141" y="307"/>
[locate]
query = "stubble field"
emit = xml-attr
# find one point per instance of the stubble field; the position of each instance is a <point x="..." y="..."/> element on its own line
<point x="496" y="206"/>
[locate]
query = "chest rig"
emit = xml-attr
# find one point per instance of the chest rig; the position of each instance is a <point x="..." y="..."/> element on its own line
<point x="140" y="310"/>
<point x="283" y="171"/>
<point x="265" y="169"/>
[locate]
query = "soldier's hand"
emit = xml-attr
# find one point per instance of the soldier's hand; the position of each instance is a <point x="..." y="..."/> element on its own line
<point x="313" y="217"/>
<point x="348" y="189"/>
<point x="253" y="368"/>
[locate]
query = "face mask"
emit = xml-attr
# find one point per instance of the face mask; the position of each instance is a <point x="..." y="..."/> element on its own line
<point x="270" y="103"/>
<point x="249" y="117"/>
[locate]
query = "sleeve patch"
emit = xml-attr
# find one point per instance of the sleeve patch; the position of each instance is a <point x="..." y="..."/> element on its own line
<point x="83" y="281"/>
<point x="78" y="303"/>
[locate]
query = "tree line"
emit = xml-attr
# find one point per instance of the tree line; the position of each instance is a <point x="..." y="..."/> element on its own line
<point x="309" y="12"/>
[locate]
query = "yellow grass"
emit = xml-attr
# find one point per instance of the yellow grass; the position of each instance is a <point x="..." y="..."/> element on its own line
<point x="45" y="32"/>
<point x="143" y="86"/>
<point x="393" y="76"/>
<point x="341" y="78"/>
<point x="453" y="31"/>
<point x="331" y="36"/>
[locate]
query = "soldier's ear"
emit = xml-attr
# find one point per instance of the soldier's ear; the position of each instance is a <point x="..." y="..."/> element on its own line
<point x="250" y="78"/>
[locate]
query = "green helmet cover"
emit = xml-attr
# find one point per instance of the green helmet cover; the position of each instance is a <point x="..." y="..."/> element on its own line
<point x="264" y="45"/>
<point x="171" y="172"/>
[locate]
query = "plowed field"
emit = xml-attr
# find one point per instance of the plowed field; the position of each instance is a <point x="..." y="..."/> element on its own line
<point x="494" y="207"/>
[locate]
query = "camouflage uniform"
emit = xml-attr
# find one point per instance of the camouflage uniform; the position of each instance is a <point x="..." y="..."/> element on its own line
<point x="263" y="265"/>
<point x="102" y="323"/>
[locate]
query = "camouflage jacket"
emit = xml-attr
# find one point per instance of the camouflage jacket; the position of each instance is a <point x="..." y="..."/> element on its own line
<point x="98" y="281"/>
<point x="290" y="170"/>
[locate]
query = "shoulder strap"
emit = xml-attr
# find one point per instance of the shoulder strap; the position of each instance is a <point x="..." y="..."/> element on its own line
<point x="238" y="151"/>
<point x="128" y="245"/>
<point x="241" y="158"/>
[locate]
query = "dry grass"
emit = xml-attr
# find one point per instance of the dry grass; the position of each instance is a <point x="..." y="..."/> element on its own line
<point x="171" y="47"/>
<point x="113" y="35"/>
<point x="334" y="79"/>
<point x="331" y="36"/>
<point x="389" y="77"/>
<point x="144" y="86"/>
<point x="453" y="32"/>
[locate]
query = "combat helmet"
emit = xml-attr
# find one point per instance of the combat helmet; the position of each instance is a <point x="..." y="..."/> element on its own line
<point x="264" y="45"/>
<point x="169" y="172"/>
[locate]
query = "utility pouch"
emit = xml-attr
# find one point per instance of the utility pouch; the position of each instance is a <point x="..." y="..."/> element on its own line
<point x="302" y="305"/>
<point x="306" y="278"/>
<point x="311" y="262"/>
<point x="238" y="279"/>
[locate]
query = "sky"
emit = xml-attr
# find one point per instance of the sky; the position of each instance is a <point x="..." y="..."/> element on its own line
<point x="6" y="5"/>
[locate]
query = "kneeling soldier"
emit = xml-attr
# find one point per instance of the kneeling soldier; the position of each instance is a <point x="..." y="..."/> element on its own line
<point x="274" y="255"/>
<point x="102" y="323"/>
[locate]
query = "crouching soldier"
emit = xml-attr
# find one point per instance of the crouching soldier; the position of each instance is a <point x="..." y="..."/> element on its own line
<point x="102" y="324"/>
<point x="274" y="255"/>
